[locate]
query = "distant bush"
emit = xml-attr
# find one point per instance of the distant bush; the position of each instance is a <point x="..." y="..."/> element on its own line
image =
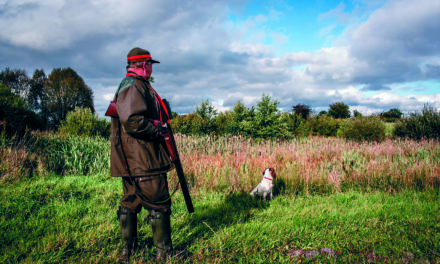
<point x="82" y="122"/>
<point x="323" y="125"/>
<point x="420" y="126"/>
<point x="363" y="129"/>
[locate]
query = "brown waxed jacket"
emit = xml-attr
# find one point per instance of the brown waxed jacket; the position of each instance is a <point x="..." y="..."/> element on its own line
<point x="136" y="105"/>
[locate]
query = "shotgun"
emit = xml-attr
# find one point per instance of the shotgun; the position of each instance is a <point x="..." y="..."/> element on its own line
<point x="174" y="154"/>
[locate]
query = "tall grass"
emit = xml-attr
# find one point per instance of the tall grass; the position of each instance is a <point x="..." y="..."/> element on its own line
<point x="37" y="154"/>
<point x="311" y="165"/>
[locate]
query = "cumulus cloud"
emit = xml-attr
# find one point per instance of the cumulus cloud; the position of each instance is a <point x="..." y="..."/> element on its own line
<point x="205" y="56"/>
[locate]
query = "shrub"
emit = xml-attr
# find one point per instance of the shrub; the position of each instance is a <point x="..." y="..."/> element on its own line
<point x="295" y="124"/>
<point x="420" y="126"/>
<point x="323" y="125"/>
<point x="363" y="129"/>
<point x="82" y="122"/>
<point x="189" y="124"/>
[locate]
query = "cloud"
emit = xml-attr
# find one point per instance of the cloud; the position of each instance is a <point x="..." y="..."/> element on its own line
<point x="203" y="55"/>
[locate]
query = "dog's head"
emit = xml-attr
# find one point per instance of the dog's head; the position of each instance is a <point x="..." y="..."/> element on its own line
<point x="270" y="172"/>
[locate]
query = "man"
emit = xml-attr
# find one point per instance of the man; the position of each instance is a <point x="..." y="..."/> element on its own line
<point x="139" y="157"/>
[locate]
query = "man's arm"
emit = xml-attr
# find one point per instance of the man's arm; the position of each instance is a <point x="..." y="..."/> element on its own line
<point x="133" y="109"/>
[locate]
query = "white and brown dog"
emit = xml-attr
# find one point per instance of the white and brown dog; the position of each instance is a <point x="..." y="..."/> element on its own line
<point x="264" y="188"/>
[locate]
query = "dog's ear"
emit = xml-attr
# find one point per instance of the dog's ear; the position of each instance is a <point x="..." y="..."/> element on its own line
<point x="272" y="171"/>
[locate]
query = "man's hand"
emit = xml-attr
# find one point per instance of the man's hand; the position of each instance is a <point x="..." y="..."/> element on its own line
<point x="160" y="131"/>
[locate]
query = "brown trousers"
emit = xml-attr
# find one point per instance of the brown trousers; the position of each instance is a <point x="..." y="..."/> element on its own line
<point x="155" y="194"/>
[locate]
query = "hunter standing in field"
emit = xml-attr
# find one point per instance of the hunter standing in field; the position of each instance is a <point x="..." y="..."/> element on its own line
<point x="139" y="156"/>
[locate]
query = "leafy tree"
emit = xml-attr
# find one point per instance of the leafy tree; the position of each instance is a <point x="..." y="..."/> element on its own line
<point x="266" y="118"/>
<point x="36" y="86"/>
<point x="240" y="118"/>
<point x="206" y="110"/>
<point x="16" y="80"/>
<point x="323" y="112"/>
<point x="222" y="123"/>
<point x="391" y="114"/>
<point x="15" y="113"/>
<point x="64" y="90"/>
<point x="339" y="110"/>
<point x="204" y="122"/>
<point x="302" y="110"/>
<point x="356" y="113"/>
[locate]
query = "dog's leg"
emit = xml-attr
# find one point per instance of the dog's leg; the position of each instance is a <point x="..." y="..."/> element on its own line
<point x="254" y="191"/>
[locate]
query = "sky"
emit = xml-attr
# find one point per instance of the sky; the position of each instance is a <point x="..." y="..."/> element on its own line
<point x="372" y="55"/>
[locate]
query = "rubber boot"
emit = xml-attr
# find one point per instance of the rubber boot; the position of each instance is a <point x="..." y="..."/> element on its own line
<point x="128" y="221"/>
<point x="161" y="226"/>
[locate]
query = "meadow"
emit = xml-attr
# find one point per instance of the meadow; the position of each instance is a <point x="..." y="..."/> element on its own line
<point x="337" y="201"/>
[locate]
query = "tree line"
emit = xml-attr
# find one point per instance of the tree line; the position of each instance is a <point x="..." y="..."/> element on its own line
<point x="39" y="101"/>
<point x="267" y="121"/>
<point x="63" y="102"/>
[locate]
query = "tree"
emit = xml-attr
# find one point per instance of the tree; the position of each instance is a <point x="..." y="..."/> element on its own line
<point x="339" y="110"/>
<point x="204" y="119"/>
<point x="356" y="113"/>
<point x="36" y="86"/>
<point x="206" y="110"/>
<point x="16" y="80"/>
<point x="323" y="112"/>
<point x="15" y="113"/>
<point x="302" y="110"/>
<point x="393" y="113"/>
<point x="64" y="90"/>
<point x="240" y="120"/>
<point x="266" y="118"/>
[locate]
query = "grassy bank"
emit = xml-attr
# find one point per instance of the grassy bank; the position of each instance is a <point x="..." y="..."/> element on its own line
<point x="72" y="219"/>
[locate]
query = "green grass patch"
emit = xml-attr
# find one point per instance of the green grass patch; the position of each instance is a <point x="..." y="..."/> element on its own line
<point x="72" y="219"/>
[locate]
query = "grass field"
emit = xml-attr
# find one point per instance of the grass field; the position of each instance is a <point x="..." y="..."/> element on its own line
<point x="72" y="219"/>
<point x="338" y="202"/>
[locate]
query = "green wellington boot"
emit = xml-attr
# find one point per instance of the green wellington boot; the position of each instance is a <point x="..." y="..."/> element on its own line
<point x="161" y="226"/>
<point x="128" y="221"/>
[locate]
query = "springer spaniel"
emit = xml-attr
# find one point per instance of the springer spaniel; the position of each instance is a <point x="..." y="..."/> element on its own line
<point x="264" y="188"/>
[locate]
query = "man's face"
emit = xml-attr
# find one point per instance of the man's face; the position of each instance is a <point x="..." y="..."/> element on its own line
<point x="148" y="67"/>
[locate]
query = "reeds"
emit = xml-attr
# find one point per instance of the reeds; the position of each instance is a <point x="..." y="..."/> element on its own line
<point x="303" y="165"/>
<point x="311" y="165"/>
